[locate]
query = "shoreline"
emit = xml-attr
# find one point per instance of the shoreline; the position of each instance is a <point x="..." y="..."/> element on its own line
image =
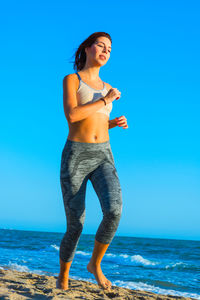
<point x="17" y="285"/>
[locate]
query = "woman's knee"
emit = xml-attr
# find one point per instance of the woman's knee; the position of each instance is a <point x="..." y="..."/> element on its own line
<point x="75" y="226"/>
<point x="113" y="215"/>
<point x="114" y="212"/>
<point x="75" y="231"/>
<point x="75" y="222"/>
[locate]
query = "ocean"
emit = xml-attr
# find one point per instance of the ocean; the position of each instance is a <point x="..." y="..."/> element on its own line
<point x="162" y="266"/>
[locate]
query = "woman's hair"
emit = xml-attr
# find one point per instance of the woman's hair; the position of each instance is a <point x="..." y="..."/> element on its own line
<point x="80" y="55"/>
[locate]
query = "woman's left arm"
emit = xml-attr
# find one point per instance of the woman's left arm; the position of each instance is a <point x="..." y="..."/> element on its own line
<point x="121" y="122"/>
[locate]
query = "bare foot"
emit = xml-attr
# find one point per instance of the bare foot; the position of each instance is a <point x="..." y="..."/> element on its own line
<point x="100" y="278"/>
<point x="62" y="283"/>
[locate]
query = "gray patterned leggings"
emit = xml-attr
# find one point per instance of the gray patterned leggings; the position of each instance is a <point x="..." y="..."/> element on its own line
<point x="80" y="162"/>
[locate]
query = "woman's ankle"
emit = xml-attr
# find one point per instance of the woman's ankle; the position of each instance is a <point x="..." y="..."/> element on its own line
<point x="63" y="277"/>
<point x="94" y="263"/>
<point x="64" y="268"/>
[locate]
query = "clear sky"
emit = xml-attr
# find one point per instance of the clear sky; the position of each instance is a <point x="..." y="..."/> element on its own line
<point x="155" y="63"/>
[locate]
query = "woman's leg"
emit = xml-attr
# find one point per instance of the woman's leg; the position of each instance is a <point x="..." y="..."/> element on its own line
<point x="63" y="278"/>
<point x="107" y="186"/>
<point x="94" y="266"/>
<point x="75" y="213"/>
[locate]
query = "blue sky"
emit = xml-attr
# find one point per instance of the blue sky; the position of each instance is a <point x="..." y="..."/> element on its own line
<point x="155" y="64"/>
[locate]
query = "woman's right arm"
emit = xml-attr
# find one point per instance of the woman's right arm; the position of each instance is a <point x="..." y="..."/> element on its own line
<point x="73" y="111"/>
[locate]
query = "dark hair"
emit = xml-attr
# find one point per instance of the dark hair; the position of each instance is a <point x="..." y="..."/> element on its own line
<point x="80" y="55"/>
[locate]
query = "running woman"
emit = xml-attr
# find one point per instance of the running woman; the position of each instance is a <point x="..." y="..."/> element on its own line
<point x="87" y="155"/>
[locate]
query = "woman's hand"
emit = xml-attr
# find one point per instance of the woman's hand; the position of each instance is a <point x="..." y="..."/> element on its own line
<point x="112" y="94"/>
<point x="121" y="122"/>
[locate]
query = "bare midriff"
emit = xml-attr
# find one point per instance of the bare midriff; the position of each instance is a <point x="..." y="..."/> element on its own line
<point x="93" y="129"/>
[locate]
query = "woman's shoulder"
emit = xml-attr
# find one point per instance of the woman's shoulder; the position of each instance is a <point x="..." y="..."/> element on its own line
<point x="71" y="80"/>
<point x="71" y="76"/>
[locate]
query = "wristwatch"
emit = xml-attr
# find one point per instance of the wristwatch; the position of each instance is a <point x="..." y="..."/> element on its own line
<point x="103" y="100"/>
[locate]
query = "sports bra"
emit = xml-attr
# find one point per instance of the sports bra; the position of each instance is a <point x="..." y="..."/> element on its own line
<point x="86" y="94"/>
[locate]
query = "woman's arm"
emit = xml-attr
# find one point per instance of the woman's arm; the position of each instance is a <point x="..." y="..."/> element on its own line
<point x="73" y="111"/>
<point x="112" y="123"/>
<point x="118" y="121"/>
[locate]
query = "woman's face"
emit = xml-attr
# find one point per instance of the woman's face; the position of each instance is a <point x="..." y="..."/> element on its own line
<point x="100" y="50"/>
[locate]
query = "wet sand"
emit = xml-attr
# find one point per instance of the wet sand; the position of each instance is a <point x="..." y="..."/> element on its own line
<point x="22" y="285"/>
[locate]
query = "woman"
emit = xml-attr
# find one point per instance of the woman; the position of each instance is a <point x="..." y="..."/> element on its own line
<point x="87" y="155"/>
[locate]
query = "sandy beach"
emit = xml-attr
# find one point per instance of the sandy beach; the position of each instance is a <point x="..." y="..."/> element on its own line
<point x="22" y="285"/>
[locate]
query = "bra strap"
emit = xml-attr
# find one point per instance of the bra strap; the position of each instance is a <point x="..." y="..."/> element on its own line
<point x="78" y="75"/>
<point x="86" y="83"/>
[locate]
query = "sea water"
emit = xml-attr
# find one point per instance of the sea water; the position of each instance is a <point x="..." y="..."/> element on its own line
<point x="162" y="266"/>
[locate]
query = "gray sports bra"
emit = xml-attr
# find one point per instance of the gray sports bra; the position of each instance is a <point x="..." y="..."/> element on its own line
<point x="87" y="94"/>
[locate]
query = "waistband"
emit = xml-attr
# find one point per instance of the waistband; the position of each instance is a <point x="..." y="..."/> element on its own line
<point x="89" y="145"/>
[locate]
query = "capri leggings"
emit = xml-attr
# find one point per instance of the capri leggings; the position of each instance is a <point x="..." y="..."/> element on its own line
<point x="80" y="162"/>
